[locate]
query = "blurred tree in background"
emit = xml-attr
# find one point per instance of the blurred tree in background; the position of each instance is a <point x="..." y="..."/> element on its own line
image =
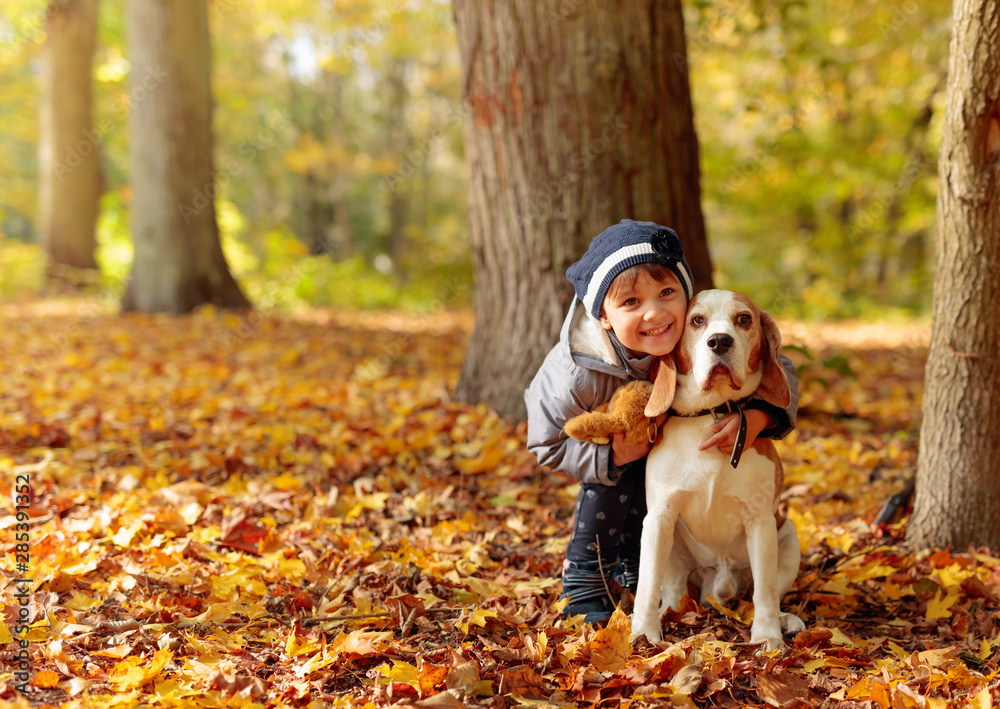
<point x="70" y="171"/>
<point x="178" y="262"/>
<point x="340" y="176"/>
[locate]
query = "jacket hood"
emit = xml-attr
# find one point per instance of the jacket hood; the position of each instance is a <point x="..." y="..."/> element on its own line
<point x="589" y="344"/>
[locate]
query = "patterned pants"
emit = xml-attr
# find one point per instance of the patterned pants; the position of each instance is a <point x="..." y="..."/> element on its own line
<point x="609" y="518"/>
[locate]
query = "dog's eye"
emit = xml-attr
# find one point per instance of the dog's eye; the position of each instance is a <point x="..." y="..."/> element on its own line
<point x="745" y="319"/>
<point x="697" y="320"/>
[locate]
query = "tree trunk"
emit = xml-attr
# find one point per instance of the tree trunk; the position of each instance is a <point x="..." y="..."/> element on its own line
<point x="578" y="115"/>
<point x="399" y="140"/>
<point x="958" y="486"/>
<point x="69" y="164"/>
<point x="179" y="263"/>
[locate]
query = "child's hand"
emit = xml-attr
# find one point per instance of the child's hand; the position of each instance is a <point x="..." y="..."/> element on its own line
<point x="625" y="453"/>
<point x="727" y="428"/>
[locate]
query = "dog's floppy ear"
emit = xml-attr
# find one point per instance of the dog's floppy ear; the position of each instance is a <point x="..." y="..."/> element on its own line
<point x="594" y="426"/>
<point x="774" y="381"/>
<point x="664" y="387"/>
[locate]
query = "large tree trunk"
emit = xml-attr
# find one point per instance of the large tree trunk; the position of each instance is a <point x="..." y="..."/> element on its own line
<point x="578" y="115"/>
<point x="958" y="486"/>
<point x="179" y="263"/>
<point x="70" y="173"/>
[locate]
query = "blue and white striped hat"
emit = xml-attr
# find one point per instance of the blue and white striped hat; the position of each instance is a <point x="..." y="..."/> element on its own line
<point x="622" y="246"/>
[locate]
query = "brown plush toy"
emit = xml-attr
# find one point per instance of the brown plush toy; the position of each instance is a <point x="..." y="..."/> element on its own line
<point x="625" y="413"/>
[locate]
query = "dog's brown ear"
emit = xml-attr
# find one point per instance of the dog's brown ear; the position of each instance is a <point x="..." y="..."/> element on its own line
<point x="773" y="387"/>
<point x="664" y="387"/>
<point x="594" y="427"/>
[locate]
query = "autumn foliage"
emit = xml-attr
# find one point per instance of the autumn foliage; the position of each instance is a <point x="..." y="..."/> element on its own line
<point x="292" y="512"/>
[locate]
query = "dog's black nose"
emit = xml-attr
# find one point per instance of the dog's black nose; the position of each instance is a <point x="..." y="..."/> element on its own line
<point x="720" y="343"/>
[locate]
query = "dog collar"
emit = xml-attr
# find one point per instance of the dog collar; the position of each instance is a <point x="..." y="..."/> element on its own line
<point x="717" y="413"/>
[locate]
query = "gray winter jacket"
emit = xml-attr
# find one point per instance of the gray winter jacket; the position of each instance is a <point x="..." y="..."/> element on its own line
<point x="582" y="372"/>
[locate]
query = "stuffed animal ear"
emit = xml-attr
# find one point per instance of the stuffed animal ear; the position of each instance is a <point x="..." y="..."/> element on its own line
<point x="594" y="427"/>
<point x="773" y="387"/>
<point x="664" y="387"/>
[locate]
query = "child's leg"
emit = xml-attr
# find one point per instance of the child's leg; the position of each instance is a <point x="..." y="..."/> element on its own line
<point x="628" y="547"/>
<point x="592" y="554"/>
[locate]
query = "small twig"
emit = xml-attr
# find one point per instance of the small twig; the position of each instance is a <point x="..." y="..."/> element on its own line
<point x="63" y="637"/>
<point x="600" y="566"/>
<point x="363" y="616"/>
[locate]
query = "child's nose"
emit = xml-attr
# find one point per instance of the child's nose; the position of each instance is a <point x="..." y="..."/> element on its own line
<point x="653" y="311"/>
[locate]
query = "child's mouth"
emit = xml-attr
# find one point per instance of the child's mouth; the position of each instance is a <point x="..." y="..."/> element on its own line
<point x="656" y="332"/>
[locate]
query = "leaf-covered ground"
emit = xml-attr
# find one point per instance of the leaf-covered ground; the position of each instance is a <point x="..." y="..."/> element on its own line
<point x="261" y="511"/>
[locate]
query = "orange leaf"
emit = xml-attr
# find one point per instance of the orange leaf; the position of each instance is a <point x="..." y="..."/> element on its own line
<point x="45" y="679"/>
<point x="610" y="648"/>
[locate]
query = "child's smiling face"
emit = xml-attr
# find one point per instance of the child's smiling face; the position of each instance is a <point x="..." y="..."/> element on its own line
<point x="648" y="315"/>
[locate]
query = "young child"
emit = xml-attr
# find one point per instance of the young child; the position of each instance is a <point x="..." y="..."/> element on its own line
<point x="632" y="288"/>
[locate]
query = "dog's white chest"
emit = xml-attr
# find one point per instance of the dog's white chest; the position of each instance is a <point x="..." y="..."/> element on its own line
<point x="713" y="499"/>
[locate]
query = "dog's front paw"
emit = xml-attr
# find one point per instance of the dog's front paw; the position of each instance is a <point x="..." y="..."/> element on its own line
<point x="767" y="634"/>
<point x="767" y="644"/>
<point x="600" y="440"/>
<point x="648" y="627"/>
<point x="791" y="624"/>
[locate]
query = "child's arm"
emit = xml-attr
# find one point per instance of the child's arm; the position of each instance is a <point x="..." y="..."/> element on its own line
<point x="556" y="395"/>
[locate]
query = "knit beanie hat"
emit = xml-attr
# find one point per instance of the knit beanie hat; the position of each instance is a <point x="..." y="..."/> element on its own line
<point x="619" y="247"/>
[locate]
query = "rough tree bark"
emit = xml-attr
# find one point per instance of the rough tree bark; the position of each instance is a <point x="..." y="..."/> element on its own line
<point x="179" y="263"/>
<point x="957" y="500"/>
<point x="578" y="115"/>
<point x="69" y="164"/>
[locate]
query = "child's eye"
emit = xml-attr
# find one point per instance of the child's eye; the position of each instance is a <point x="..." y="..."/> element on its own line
<point x="631" y="301"/>
<point x="667" y="291"/>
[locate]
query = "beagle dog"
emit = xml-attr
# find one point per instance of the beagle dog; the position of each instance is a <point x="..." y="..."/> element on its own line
<point x="710" y="516"/>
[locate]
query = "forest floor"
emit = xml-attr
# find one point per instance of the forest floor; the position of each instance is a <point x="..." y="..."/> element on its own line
<point x="253" y="510"/>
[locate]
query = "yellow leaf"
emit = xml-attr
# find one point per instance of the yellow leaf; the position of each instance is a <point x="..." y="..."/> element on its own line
<point x="124" y="536"/>
<point x="117" y="651"/>
<point x="935" y="659"/>
<point x="896" y="650"/>
<point x="982" y="700"/>
<point x="839" y="638"/>
<point x="295" y="646"/>
<point x="401" y="672"/>
<point x="814" y="665"/>
<point x="938" y="607"/>
<point x="360" y="642"/>
<point x="610" y="648"/>
<point x="488" y="459"/>
<point x="5" y="636"/>
<point x="287" y="482"/>
<point x="478" y="617"/>
<point x="986" y="648"/>
<point x="136" y="671"/>
<point x="728" y="612"/>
